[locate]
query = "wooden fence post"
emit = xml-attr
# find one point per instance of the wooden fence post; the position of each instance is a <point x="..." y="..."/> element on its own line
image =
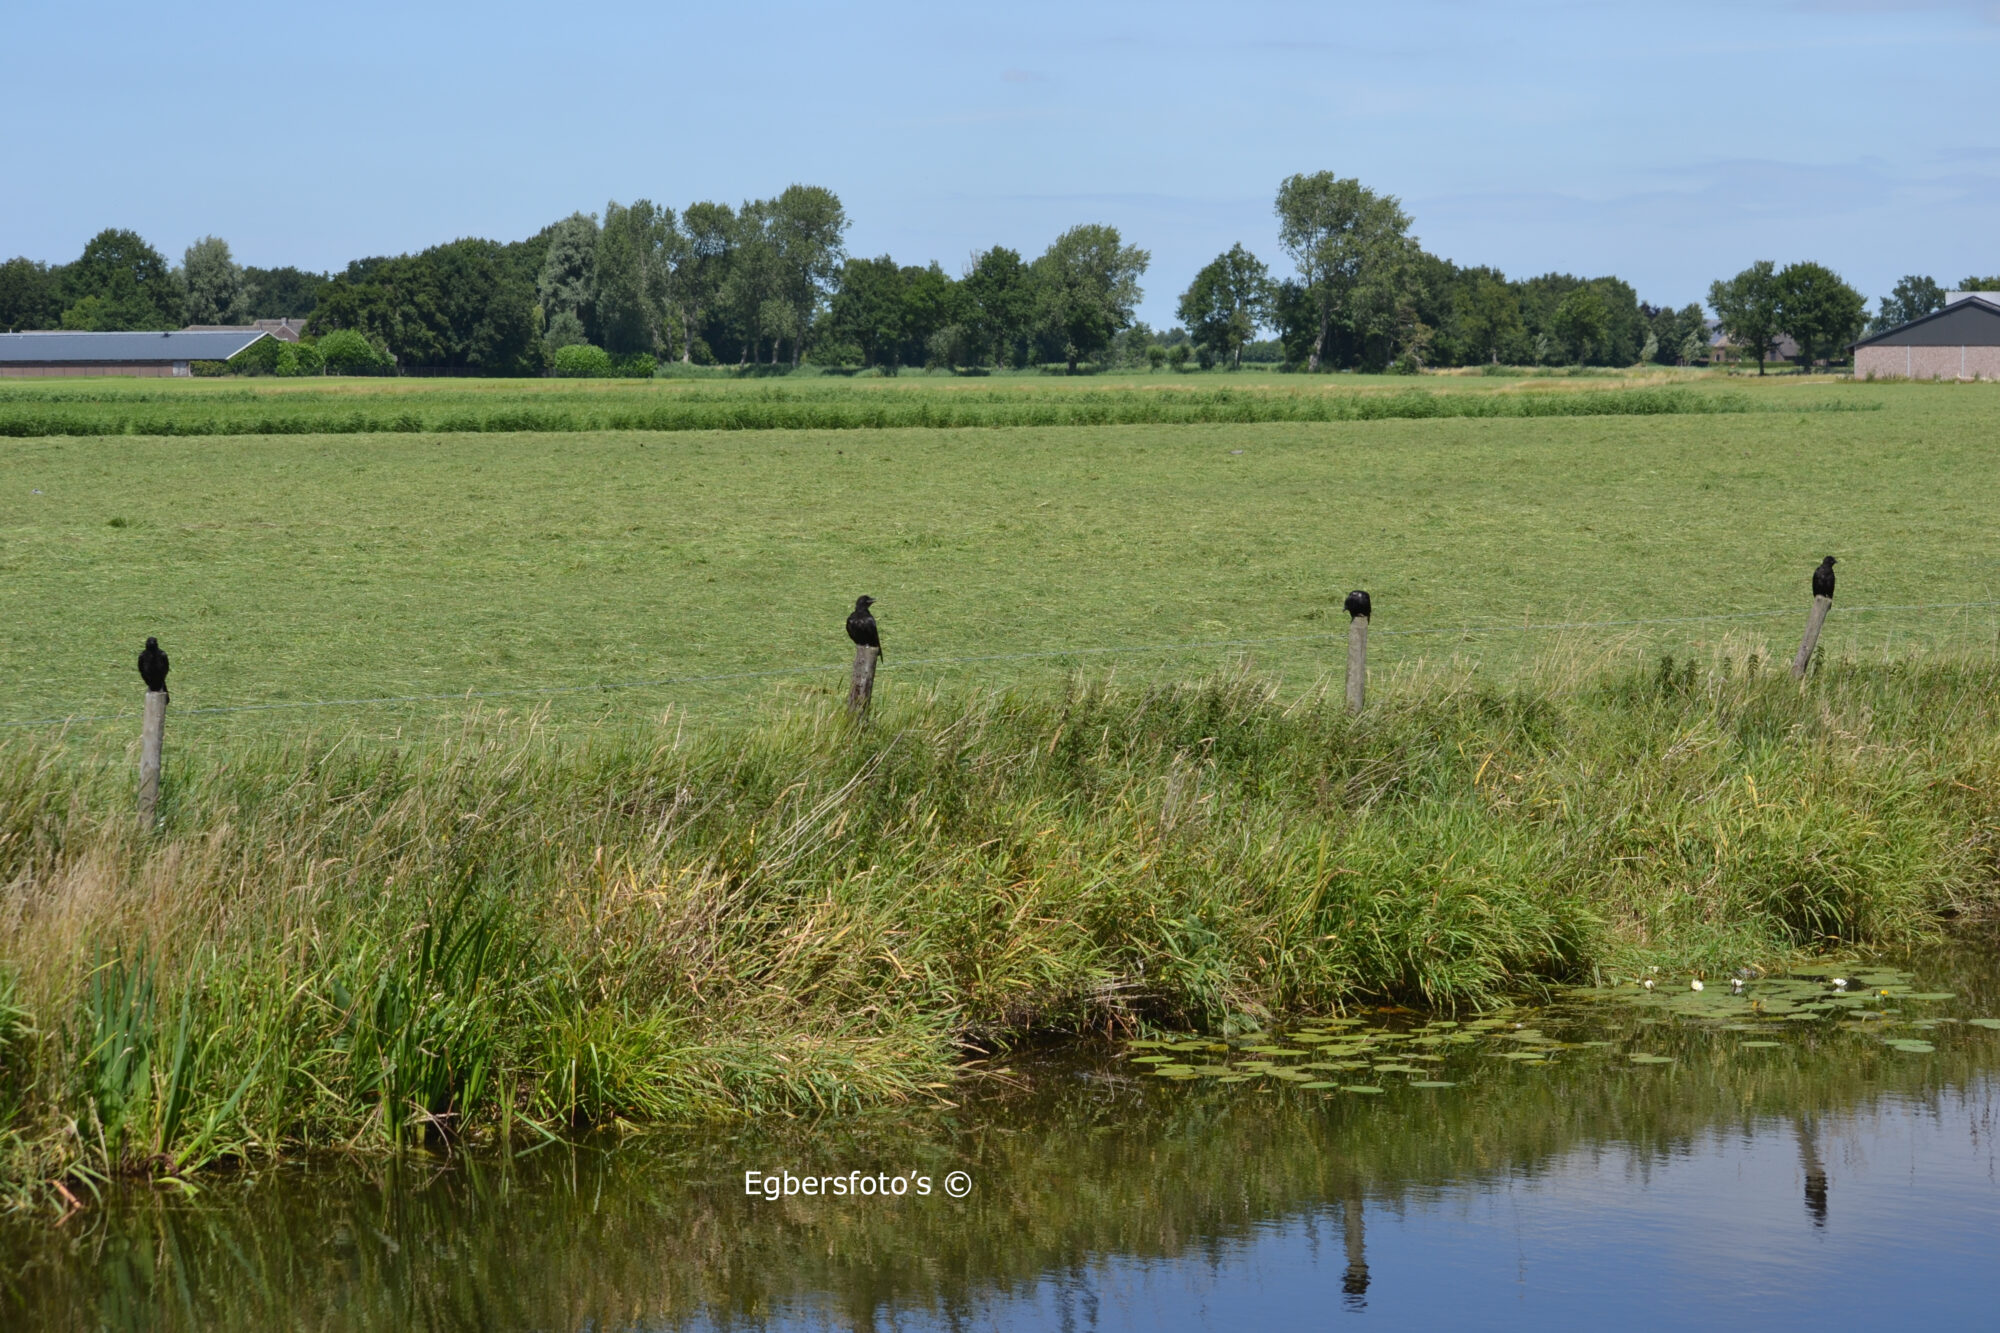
<point x="1821" y="605"/>
<point x="863" y="689"/>
<point x="151" y="741"/>
<point x="1359" y="607"/>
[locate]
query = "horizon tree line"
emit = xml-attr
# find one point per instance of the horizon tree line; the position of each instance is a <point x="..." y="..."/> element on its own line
<point x="770" y="283"/>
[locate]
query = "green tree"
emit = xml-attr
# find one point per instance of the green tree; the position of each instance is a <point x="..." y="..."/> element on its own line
<point x="462" y="305"/>
<point x="869" y="310"/>
<point x="281" y="293"/>
<point x="212" y="284"/>
<point x="1487" y="317"/>
<point x="807" y="231"/>
<point x="1989" y="284"/>
<point x="1350" y="246"/>
<point x="567" y="281"/>
<point x="1912" y="298"/>
<point x="1819" y="311"/>
<point x="120" y="282"/>
<point x="931" y="304"/>
<point x="1580" y="322"/>
<point x="999" y="302"/>
<point x="630" y="272"/>
<point x="30" y="295"/>
<point x="1746" y="308"/>
<point x="1086" y="285"/>
<point x="698" y="253"/>
<point x="1228" y="301"/>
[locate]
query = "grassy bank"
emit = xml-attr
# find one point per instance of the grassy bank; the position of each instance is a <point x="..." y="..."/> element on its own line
<point x="511" y="933"/>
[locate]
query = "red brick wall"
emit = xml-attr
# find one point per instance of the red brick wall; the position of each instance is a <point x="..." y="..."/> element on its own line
<point x="1927" y="363"/>
<point x="29" y="369"/>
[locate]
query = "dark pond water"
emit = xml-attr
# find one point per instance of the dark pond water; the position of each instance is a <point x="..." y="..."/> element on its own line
<point x="1769" y="1159"/>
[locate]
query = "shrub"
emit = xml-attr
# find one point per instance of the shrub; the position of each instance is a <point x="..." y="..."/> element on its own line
<point x="581" y="361"/>
<point x="348" y="352"/>
<point x="300" y="358"/>
<point x="208" y="369"/>
<point x="259" y="358"/>
<point x="637" y="366"/>
<point x="1179" y="356"/>
<point x="1156" y="356"/>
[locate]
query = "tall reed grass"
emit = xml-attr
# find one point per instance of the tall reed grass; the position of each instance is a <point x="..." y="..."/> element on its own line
<point x="509" y="934"/>
<point x="25" y="413"/>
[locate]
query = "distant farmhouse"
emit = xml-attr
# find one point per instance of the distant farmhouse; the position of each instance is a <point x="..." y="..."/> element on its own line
<point x="1961" y="341"/>
<point x="151" y="354"/>
<point x="284" y="330"/>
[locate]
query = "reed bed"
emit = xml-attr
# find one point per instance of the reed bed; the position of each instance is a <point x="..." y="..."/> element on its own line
<point x="740" y="407"/>
<point x="506" y="933"/>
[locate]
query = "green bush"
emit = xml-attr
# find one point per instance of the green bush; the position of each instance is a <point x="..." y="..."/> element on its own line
<point x="259" y="358"/>
<point x="208" y="369"/>
<point x="348" y="352"/>
<point x="581" y="361"/>
<point x="637" y="366"/>
<point x="300" y="358"/>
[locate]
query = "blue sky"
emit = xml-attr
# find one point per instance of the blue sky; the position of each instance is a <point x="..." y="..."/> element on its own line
<point x="1667" y="143"/>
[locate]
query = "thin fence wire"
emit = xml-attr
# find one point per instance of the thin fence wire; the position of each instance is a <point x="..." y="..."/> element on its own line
<point x="556" y="691"/>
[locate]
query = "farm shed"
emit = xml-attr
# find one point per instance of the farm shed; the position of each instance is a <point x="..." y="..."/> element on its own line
<point x="161" y="354"/>
<point x="1959" y="342"/>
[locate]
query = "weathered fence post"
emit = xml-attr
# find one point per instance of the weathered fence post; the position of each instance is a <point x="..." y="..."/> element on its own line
<point x="1822" y="586"/>
<point x="151" y="741"/>
<point x="863" y="688"/>
<point x="1359" y="608"/>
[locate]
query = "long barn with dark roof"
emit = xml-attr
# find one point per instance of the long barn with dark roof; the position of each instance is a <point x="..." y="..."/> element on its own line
<point x="162" y="354"/>
<point x="1961" y="341"/>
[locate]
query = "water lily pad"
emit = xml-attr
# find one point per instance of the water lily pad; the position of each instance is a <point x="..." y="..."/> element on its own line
<point x="1431" y="1083"/>
<point x="1931" y="995"/>
<point x="1757" y="1045"/>
<point x="1397" y="1069"/>
<point x="1993" y="1023"/>
<point x="1909" y="1046"/>
<point x="1319" y="1083"/>
<point x="1362" y="1087"/>
<point x="1529" y="1057"/>
<point x="1213" y="1071"/>
<point x="1641" y="1058"/>
<point x="1152" y="1059"/>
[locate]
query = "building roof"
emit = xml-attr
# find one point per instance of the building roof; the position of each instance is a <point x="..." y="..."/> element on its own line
<point x="1972" y="322"/>
<point x="84" y="348"/>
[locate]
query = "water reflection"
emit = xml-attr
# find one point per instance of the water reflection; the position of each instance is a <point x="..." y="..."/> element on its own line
<point x="1107" y="1199"/>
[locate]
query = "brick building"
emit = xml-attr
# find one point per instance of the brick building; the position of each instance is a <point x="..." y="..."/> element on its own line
<point x="1959" y="342"/>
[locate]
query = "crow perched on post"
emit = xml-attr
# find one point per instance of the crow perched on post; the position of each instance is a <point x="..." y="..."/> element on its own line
<point x="861" y="626"/>
<point x="1357" y="603"/>
<point x="153" y="667"/>
<point x="1823" y="578"/>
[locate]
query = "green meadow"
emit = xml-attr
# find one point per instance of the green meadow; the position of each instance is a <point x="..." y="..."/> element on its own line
<point x="535" y="567"/>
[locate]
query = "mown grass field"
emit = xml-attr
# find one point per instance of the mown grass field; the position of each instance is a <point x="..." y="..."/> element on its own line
<point x="290" y="569"/>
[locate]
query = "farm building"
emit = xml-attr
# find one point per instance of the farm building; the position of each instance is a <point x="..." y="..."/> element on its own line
<point x="162" y="354"/>
<point x="284" y="330"/>
<point x="1961" y="341"/>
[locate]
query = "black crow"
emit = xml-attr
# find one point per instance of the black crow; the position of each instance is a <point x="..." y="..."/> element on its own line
<point x="1357" y="603"/>
<point x="153" y="668"/>
<point x="1823" y="578"/>
<point x="861" y="626"/>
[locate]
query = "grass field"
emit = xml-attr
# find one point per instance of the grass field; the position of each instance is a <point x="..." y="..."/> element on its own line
<point x="283" y="570"/>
